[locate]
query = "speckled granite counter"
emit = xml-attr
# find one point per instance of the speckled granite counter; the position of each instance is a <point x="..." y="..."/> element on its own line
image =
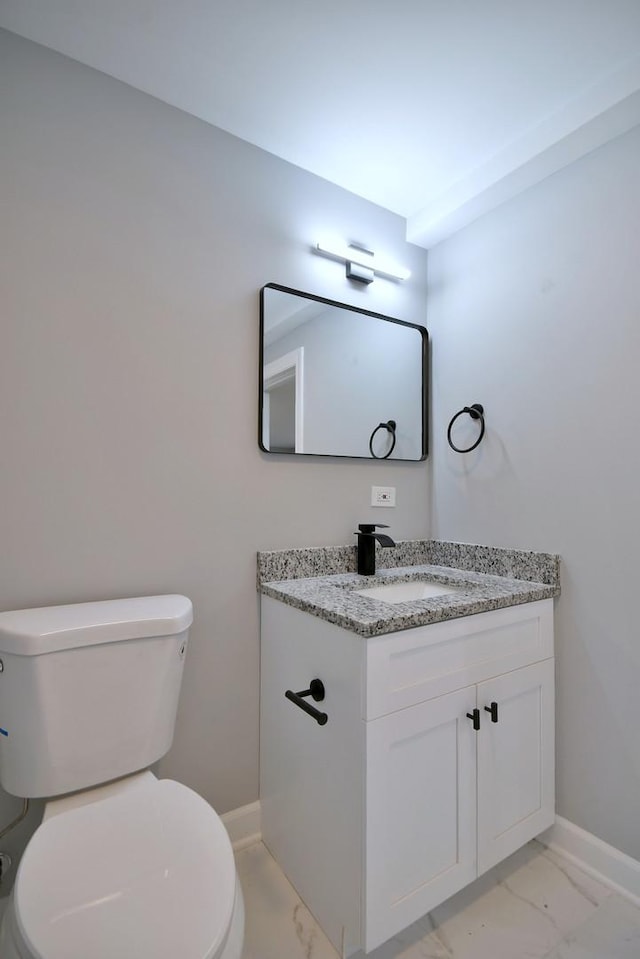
<point x="322" y="581"/>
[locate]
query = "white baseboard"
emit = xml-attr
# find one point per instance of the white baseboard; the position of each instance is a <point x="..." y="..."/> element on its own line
<point x="605" y="863"/>
<point x="243" y="825"/>
<point x="597" y="858"/>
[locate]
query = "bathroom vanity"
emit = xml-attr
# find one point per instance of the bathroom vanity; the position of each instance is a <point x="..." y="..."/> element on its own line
<point x="436" y="760"/>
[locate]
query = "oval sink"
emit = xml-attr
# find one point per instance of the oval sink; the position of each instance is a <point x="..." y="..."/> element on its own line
<point x="407" y="592"/>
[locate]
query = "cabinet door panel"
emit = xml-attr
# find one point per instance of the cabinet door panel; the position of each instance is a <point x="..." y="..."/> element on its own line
<point x="420" y="812"/>
<point x="516" y="793"/>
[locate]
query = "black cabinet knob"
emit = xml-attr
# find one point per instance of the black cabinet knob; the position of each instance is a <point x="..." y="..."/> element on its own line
<point x="493" y="709"/>
<point x="475" y="716"/>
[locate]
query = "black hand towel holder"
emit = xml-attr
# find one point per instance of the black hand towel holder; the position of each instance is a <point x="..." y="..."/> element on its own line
<point x="476" y="412"/>
<point x="316" y="691"/>
<point x="390" y="426"/>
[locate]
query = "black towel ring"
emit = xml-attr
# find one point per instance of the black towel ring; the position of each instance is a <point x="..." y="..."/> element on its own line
<point x="390" y="425"/>
<point x="476" y="412"/>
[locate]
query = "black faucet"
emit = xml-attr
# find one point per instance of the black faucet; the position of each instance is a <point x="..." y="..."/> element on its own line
<point x="367" y="546"/>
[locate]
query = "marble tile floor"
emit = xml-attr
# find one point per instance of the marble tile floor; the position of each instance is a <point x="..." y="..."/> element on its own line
<point x="535" y="905"/>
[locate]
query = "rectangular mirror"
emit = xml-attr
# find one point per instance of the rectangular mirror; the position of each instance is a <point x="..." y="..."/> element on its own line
<point x="336" y="380"/>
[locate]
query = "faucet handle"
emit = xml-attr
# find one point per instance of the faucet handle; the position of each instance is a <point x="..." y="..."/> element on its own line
<point x="371" y="527"/>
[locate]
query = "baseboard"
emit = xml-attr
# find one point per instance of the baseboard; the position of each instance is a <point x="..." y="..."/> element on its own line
<point x="243" y="825"/>
<point x="605" y="863"/>
<point x="595" y="857"/>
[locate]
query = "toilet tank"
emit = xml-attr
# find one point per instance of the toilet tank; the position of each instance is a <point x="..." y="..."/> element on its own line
<point x="88" y="692"/>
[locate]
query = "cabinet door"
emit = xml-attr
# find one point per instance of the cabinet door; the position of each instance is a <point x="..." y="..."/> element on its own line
<point x="516" y="790"/>
<point x="420" y="811"/>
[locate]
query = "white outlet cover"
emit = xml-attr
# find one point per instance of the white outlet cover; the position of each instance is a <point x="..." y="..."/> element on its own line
<point x="383" y="496"/>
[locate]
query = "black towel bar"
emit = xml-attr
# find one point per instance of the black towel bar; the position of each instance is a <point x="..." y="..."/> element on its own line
<point x="316" y="691"/>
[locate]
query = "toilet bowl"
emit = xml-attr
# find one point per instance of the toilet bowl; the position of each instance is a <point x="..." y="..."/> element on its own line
<point x="142" y="868"/>
<point x="124" y="865"/>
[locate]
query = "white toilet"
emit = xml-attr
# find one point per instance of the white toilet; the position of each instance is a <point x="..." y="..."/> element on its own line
<point x="124" y="865"/>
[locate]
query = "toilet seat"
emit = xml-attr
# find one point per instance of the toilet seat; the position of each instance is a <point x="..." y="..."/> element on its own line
<point x="147" y="872"/>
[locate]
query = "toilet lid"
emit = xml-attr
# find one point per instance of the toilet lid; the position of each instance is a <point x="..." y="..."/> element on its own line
<point x="146" y="874"/>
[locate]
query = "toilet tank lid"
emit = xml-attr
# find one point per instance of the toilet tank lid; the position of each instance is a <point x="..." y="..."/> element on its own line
<point x="32" y="632"/>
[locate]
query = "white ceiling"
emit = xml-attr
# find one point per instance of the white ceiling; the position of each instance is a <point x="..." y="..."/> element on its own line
<point x="435" y="109"/>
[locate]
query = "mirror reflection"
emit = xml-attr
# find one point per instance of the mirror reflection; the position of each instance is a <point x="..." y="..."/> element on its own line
<point x="339" y="381"/>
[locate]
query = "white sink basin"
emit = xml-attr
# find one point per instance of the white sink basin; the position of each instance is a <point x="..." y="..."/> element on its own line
<point x="407" y="592"/>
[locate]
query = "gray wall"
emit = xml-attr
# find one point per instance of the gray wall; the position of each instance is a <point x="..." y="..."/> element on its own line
<point x="133" y="242"/>
<point x="534" y="311"/>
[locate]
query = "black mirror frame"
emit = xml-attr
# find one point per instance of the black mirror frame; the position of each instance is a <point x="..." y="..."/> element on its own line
<point x="354" y="309"/>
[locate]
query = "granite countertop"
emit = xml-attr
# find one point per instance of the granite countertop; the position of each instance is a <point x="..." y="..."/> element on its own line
<point x="333" y="596"/>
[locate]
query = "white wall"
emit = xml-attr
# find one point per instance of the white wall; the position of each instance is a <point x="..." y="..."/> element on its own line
<point x="133" y="242"/>
<point x="534" y="311"/>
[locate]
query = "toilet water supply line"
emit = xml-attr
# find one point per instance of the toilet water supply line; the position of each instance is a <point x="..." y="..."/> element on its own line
<point x="5" y="860"/>
<point x="18" y="819"/>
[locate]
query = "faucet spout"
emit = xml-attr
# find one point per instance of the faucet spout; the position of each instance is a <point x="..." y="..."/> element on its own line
<point x="383" y="539"/>
<point x="366" y="550"/>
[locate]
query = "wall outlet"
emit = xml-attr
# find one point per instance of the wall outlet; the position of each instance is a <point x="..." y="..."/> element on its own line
<point x="383" y="496"/>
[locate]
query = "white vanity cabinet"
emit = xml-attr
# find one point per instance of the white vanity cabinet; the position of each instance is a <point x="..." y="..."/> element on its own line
<point x="398" y="801"/>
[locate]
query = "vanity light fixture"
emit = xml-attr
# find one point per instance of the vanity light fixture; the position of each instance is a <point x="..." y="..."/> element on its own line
<point x="361" y="263"/>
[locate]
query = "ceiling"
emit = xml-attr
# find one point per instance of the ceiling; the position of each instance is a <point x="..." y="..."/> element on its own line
<point x="435" y="109"/>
